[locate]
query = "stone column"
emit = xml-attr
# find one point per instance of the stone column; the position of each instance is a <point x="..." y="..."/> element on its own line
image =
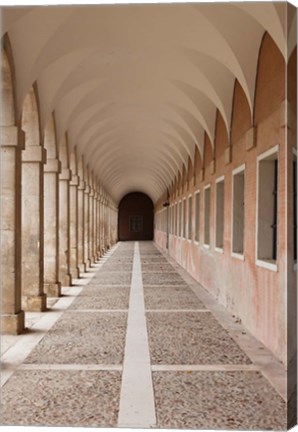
<point x="73" y="238"/>
<point x="64" y="246"/>
<point x="33" y="159"/>
<point x="95" y="249"/>
<point x="52" y="285"/>
<point x="87" y="260"/>
<point x="91" y="226"/>
<point x="101" y="218"/>
<point x="98" y="225"/>
<point x="81" y="216"/>
<point x="12" y="316"/>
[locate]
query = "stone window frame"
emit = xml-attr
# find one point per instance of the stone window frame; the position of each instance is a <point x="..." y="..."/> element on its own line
<point x="220" y="179"/>
<point x="184" y="219"/>
<point x="260" y="262"/>
<point x="207" y="245"/>
<point x="241" y="256"/>
<point x="179" y="218"/>
<point x="197" y="225"/>
<point x="190" y="219"/>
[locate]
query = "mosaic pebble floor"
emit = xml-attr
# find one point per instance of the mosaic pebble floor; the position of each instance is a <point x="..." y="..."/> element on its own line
<point x="73" y="376"/>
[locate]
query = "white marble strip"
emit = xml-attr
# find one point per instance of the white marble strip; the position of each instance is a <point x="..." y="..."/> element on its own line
<point x="177" y="310"/>
<point x="25" y="343"/>
<point x="213" y="367"/>
<point x="83" y="367"/>
<point x="137" y="408"/>
<point x="97" y="310"/>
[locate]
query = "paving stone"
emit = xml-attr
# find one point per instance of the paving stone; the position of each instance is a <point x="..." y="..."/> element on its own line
<point x="61" y="398"/>
<point x="102" y="298"/>
<point x="108" y="266"/>
<point x="155" y="267"/>
<point x="164" y="278"/>
<point x="217" y="400"/>
<point x="111" y="278"/>
<point x="171" y="297"/>
<point x="156" y="261"/>
<point x="191" y="338"/>
<point x="85" y="338"/>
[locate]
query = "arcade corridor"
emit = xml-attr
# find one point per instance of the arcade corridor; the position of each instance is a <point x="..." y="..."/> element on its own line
<point x="149" y="215"/>
<point x="89" y="361"/>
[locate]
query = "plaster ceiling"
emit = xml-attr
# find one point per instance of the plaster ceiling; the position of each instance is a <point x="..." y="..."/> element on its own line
<point x="136" y="86"/>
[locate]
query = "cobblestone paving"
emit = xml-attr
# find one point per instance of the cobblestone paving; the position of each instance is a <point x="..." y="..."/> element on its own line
<point x="84" y="338"/>
<point x="102" y="297"/>
<point x="191" y="338"/>
<point x="171" y="297"/>
<point x="217" y="400"/>
<point x="63" y="381"/>
<point x="61" y="398"/>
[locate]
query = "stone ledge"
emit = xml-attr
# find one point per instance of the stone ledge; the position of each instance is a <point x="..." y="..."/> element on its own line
<point x="65" y="174"/>
<point x="75" y="180"/>
<point x="34" y="154"/>
<point x="52" y="166"/>
<point x="12" y="136"/>
<point x="82" y="185"/>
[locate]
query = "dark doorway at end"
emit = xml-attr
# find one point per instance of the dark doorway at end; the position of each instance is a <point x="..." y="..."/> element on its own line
<point x="135" y="217"/>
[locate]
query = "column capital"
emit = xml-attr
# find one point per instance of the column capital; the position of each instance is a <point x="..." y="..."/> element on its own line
<point x="91" y="192"/>
<point x="34" y="154"/>
<point x="65" y="174"/>
<point x="12" y="136"/>
<point x="52" y="166"/>
<point x="82" y="185"/>
<point x="75" y="180"/>
<point x="87" y="189"/>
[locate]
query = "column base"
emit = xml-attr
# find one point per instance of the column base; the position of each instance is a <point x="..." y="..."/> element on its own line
<point x="52" y="289"/>
<point x="75" y="273"/>
<point x="35" y="303"/>
<point x="13" y="324"/>
<point x="88" y="263"/>
<point x="82" y="268"/>
<point x="66" y="280"/>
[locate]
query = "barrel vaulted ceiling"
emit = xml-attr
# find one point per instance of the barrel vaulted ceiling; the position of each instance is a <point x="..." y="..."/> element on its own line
<point x="137" y="86"/>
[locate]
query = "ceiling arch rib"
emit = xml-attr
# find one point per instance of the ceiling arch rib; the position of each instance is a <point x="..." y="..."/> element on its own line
<point x="137" y="107"/>
<point x="146" y="183"/>
<point x="158" y="156"/>
<point x="157" y="170"/>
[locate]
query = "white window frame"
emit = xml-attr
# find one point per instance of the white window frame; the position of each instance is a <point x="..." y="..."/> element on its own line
<point x="237" y="255"/>
<point x="259" y="262"/>
<point x="206" y="245"/>
<point x="180" y="217"/>
<point x="197" y="192"/>
<point x="218" y="180"/>
<point x="191" y="219"/>
<point x="183" y="227"/>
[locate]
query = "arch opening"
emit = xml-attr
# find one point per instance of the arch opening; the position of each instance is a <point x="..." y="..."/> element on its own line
<point x="135" y="217"/>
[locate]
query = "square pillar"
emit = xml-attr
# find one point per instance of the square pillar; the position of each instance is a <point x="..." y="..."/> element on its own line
<point x="64" y="242"/>
<point x="81" y="219"/>
<point x="33" y="159"/>
<point x="73" y="208"/>
<point x="12" y="315"/>
<point x="52" y="285"/>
